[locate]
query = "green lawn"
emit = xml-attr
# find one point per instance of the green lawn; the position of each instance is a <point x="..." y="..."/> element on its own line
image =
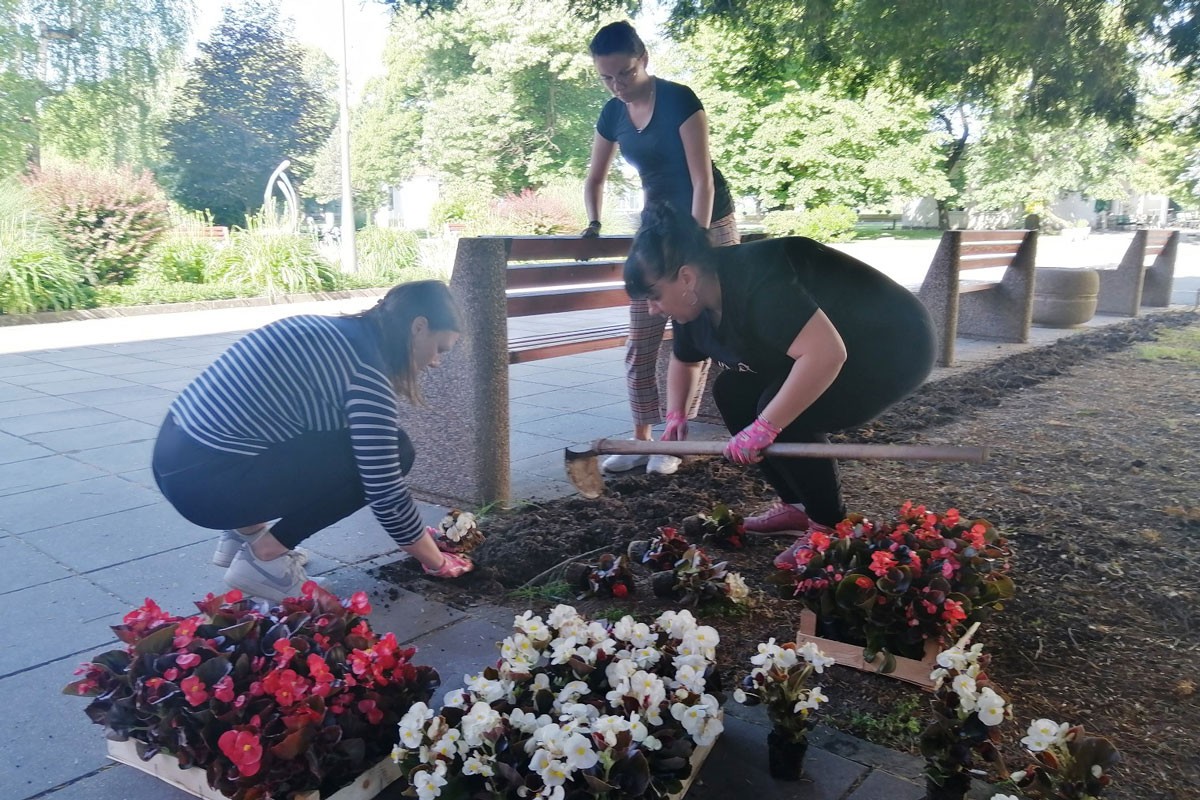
<point x="868" y="232"/>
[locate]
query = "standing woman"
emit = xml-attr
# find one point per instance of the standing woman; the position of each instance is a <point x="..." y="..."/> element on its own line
<point x="662" y="131"/>
<point x="813" y="341"/>
<point x="296" y="426"/>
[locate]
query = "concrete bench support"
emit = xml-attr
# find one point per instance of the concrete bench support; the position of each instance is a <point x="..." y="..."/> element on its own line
<point x="1133" y="283"/>
<point x="1000" y="310"/>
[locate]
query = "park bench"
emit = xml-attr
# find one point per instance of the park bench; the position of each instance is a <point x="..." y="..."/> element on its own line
<point x="218" y="232"/>
<point x="894" y="219"/>
<point x="1134" y="283"/>
<point x="980" y="309"/>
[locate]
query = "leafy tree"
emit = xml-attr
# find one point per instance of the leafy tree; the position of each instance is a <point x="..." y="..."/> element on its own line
<point x="81" y="77"/>
<point x="248" y="102"/>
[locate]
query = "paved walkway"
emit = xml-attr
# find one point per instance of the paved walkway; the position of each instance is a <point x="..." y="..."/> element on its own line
<point x="85" y="536"/>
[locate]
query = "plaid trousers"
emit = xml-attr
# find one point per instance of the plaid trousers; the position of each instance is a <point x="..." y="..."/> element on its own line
<point x="645" y="338"/>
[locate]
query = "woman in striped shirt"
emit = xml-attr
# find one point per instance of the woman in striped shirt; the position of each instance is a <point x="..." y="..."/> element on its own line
<point x="298" y="423"/>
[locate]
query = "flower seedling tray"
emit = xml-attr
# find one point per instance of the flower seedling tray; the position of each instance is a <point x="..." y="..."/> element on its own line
<point x="909" y="670"/>
<point x="195" y="782"/>
<point x="697" y="759"/>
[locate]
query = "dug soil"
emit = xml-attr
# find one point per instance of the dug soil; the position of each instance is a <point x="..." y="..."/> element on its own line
<point x="1094" y="476"/>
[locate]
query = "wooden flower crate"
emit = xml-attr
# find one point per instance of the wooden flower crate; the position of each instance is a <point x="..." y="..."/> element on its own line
<point x="697" y="759"/>
<point x="195" y="781"/>
<point x="909" y="670"/>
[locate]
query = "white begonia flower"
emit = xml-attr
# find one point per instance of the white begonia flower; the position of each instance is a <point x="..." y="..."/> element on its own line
<point x="1005" y="797"/>
<point x="481" y="719"/>
<point x="623" y="629"/>
<point x="550" y="793"/>
<point x="637" y="729"/>
<point x="703" y="639"/>
<point x="527" y="722"/>
<point x="990" y="707"/>
<point x="532" y="626"/>
<point x="555" y="773"/>
<point x="736" y="588"/>
<point x="709" y="730"/>
<point x="540" y="681"/>
<point x="429" y="783"/>
<point x="1018" y="776"/>
<point x="456" y="698"/>
<point x="938" y="676"/>
<point x="647" y="657"/>
<point x="952" y="658"/>
<point x="1097" y="770"/>
<point x="572" y="692"/>
<point x="562" y="649"/>
<point x="562" y="615"/>
<point x="813" y="655"/>
<point x="651" y="743"/>
<point x="597" y="631"/>
<point x="1043" y="733"/>
<point x="739" y="696"/>
<point x="474" y="765"/>
<point x="687" y="677"/>
<point x="677" y="624"/>
<point x="488" y="691"/>
<point x="579" y="752"/>
<point x="541" y="758"/>
<point x="964" y="685"/>
<point x="619" y="671"/>
<point x="447" y="746"/>
<point x="416" y="716"/>
<point x="642" y="636"/>
<point x="694" y="660"/>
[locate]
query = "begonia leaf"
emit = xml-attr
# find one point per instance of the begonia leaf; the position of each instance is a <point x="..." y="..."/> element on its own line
<point x="236" y="633"/>
<point x="633" y="774"/>
<point x="597" y="786"/>
<point x="293" y="745"/>
<point x="213" y="670"/>
<point x="159" y="641"/>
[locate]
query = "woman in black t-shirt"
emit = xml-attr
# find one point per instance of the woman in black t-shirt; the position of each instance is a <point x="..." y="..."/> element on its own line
<point x="813" y="341"/>
<point x="661" y="129"/>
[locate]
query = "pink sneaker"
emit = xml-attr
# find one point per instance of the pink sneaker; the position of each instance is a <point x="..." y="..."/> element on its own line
<point x="787" y="559"/>
<point x="779" y="517"/>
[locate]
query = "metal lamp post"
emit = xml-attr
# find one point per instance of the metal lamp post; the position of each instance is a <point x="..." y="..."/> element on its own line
<point x="349" y="253"/>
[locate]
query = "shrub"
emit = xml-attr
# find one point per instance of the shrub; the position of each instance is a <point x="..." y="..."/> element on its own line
<point x="534" y="214"/>
<point x="386" y="253"/>
<point x="35" y="273"/>
<point x="463" y="204"/>
<point x="273" y="261"/>
<point x="107" y="219"/>
<point x="154" y="292"/>
<point x="180" y="259"/>
<point x="825" y="224"/>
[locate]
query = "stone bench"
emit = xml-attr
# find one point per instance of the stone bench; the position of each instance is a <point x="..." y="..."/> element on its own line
<point x="1000" y="309"/>
<point x="1134" y="283"/>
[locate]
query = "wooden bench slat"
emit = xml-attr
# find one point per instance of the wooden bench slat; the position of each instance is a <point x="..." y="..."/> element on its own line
<point x="976" y="286"/>
<point x="1002" y="248"/>
<point x="980" y="263"/>
<point x="535" y="347"/>
<point x="992" y="236"/>
<point x="521" y="276"/>
<point x="533" y="248"/>
<point x="557" y="301"/>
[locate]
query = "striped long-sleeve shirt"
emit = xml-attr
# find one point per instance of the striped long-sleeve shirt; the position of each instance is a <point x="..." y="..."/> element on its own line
<point x="301" y="374"/>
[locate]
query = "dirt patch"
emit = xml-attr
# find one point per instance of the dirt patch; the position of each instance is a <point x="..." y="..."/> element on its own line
<point x="1094" y="476"/>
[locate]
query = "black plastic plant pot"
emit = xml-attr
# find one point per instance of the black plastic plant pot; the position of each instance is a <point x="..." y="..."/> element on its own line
<point x="955" y="787"/>
<point x="663" y="584"/>
<point x="785" y="757"/>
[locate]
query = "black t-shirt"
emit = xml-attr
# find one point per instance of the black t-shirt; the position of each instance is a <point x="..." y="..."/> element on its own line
<point x="657" y="151"/>
<point x="769" y="291"/>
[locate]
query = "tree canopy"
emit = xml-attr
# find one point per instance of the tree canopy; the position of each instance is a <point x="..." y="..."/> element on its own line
<point x="81" y="77"/>
<point x="247" y="103"/>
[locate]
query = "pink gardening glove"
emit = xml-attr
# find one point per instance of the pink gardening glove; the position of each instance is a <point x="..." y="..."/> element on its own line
<point x="677" y="427"/>
<point x="746" y="447"/>
<point x="452" y="567"/>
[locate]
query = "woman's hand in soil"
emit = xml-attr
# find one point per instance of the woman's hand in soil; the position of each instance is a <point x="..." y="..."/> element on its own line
<point x="746" y="446"/>
<point x="452" y="566"/>
<point x="677" y="427"/>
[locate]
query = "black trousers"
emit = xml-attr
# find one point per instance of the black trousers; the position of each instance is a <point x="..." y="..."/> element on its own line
<point x="855" y="398"/>
<point x="308" y="483"/>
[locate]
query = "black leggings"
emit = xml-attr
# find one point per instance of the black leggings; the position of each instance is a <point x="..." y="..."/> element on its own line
<point x="308" y="483"/>
<point x="851" y="401"/>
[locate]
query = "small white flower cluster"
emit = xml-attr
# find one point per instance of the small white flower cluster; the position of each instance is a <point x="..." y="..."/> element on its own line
<point x="1044" y="734"/>
<point x="775" y="671"/>
<point x="552" y="666"/>
<point x="456" y="526"/>
<point x="961" y="667"/>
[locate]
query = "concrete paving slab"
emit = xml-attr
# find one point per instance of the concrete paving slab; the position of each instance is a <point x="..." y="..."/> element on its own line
<point x="58" y="505"/>
<point x="37" y="404"/>
<point x="575" y="428"/>
<point x="118" y="458"/>
<point x="107" y="398"/>
<point x="120" y="431"/>
<point x="15" y="450"/>
<point x="737" y="767"/>
<point x="34" y="371"/>
<point x="109" y="364"/>
<point x="902" y="765"/>
<point x="39" y="473"/>
<point x="79" y="383"/>
<point x="73" y="615"/>
<point x="165" y="378"/>
<point x="529" y="389"/>
<point x="463" y="648"/>
<point x="522" y="414"/>
<point x="142" y="477"/>
<point x="523" y="445"/>
<point x="106" y="540"/>
<point x="174" y="579"/>
<point x="57" y="742"/>
<point x="395" y="610"/>
<point x="22" y="566"/>
<point x="10" y="393"/>
<point x="117" y="782"/>
<point x="152" y="410"/>
<point x="359" y="537"/>
<point x="883" y="786"/>
<point x="55" y="415"/>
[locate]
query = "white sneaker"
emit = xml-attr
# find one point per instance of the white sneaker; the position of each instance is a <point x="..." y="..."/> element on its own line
<point x="230" y="542"/>
<point x="663" y="465"/>
<point x="622" y="463"/>
<point x="271" y="580"/>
